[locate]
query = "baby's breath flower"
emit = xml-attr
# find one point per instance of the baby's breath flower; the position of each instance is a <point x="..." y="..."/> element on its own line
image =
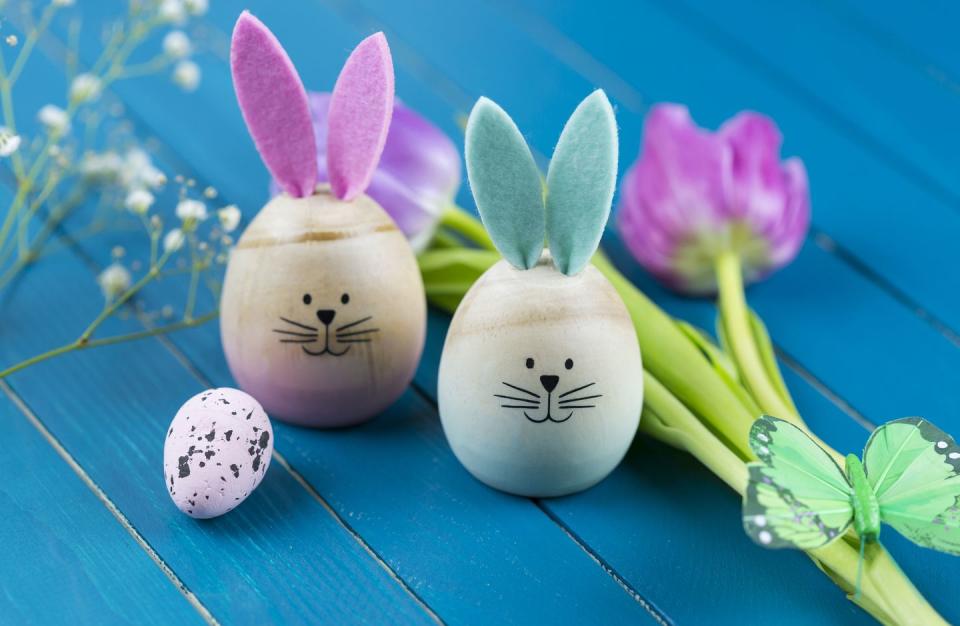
<point x="176" y="44"/>
<point x="9" y="142"/>
<point x="155" y="222"/>
<point x="173" y="241"/>
<point x="85" y="87"/>
<point x="139" y="172"/>
<point x="190" y="210"/>
<point x="196" y="7"/>
<point x="173" y="11"/>
<point x="167" y="311"/>
<point x="139" y="201"/>
<point x="210" y="193"/>
<point x="229" y="218"/>
<point x="12" y="40"/>
<point x="187" y="75"/>
<point x="100" y="167"/>
<point x="118" y="252"/>
<point x="54" y="119"/>
<point x="114" y="280"/>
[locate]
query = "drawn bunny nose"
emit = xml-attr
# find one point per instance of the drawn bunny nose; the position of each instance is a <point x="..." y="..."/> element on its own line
<point x="549" y="382"/>
<point x="326" y="316"/>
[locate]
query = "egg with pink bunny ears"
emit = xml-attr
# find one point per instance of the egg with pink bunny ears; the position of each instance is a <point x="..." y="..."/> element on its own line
<point x="323" y="313"/>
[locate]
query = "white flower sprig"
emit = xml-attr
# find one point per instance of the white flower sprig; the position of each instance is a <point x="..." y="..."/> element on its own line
<point x="85" y="151"/>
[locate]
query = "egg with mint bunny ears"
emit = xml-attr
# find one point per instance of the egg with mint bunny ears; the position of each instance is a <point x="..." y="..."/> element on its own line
<point x="323" y="313"/>
<point x="540" y="382"/>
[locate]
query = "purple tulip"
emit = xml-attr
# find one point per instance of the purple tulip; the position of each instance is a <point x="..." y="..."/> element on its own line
<point x="418" y="175"/>
<point x="693" y="194"/>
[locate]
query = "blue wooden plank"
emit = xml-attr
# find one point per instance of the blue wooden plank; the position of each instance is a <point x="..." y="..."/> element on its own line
<point x="65" y="556"/>
<point x="669" y="527"/>
<point x="864" y="366"/>
<point x="862" y="88"/>
<point x="922" y="33"/>
<point x="501" y="557"/>
<point x="282" y="556"/>
<point x="560" y="114"/>
<point x="279" y="556"/>
<point x="867" y="206"/>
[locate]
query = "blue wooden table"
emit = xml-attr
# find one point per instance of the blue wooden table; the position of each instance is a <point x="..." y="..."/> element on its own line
<point x="380" y="524"/>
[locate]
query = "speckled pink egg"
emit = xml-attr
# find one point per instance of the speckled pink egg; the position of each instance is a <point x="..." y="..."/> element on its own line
<point x="216" y="452"/>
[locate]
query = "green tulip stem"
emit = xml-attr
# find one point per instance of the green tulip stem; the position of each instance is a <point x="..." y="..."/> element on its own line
<point x="736" y="322"/>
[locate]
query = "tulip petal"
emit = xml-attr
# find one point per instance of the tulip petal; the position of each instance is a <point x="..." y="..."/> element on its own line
<point x="274" y="105"/>
<point x="581" y="181"/>
<point x="506" y="184"/>
<point x="757" y="185"/>
<point x="681" y="174"/>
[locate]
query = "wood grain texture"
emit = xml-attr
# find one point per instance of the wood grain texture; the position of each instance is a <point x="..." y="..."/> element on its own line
<point x="63" y="545"/>
<point x="491" y="531"/>
<point x="282" y="556"/>
<point x="810" y="316"/>
<point x="471" y="553"/>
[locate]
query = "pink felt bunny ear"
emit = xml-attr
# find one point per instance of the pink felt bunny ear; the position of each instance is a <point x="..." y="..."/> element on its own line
<point x="274" y="105"/>
<point x="359" y="118"/>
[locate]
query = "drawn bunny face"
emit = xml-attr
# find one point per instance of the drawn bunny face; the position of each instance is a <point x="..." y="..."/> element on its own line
<point x="323" y="314"/>
<point x="540" y="381"/>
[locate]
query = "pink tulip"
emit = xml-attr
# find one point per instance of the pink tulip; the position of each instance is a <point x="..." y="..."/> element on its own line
<point x="694" y="194"/>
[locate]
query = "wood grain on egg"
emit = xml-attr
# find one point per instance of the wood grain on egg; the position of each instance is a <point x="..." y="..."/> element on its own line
<point x="539" y="382"/>
<point x="323" y="314"/>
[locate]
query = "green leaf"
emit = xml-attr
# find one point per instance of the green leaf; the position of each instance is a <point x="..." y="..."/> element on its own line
<point x="448" y="273"/>
<point x="722" y="364"/>
<point x="769" y="358"/>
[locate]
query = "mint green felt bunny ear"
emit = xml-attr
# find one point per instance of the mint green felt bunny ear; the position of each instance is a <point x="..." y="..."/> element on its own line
<point x="580" y="183"/>
<point x="506" y="184"/>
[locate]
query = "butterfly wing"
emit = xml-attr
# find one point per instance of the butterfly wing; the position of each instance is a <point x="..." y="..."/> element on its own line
<point x="797" y="496"/>
<point x="914" y="469"/>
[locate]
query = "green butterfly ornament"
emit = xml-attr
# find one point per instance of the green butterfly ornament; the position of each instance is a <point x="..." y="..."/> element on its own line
<point x="798" y="497"/>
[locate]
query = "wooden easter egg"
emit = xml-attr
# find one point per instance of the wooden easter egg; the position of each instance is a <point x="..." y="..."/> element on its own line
<point x="541" y="382"/>
<point x="323" y="313"/>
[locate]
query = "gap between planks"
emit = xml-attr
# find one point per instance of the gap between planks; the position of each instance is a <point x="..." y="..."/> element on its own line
<point x="893" y="43"/>
<point x="55" y="51"/>
<point x="35" y="421"/>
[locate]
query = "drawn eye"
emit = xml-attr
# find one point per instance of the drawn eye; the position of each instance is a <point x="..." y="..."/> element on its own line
<point x="307" y="299"/>
<point x="345" y="298"/>
<point x="529" y="363"/>
<point x="568" y="364"/>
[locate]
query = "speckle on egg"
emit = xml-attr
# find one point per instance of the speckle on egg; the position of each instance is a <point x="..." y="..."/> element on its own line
<point x="194" y="466"/>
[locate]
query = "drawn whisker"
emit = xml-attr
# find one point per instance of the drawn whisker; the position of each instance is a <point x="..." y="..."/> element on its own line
<point x="298" y="340"/>
<point x="581" y="398"/>
<point x="567" y="393"/>
<point x="530" y="400"/>
<point x="516" y="406"/>
<point x="298" y="324"/>
<point x="521" y="389"/>
<point x="359" y="321"/>
<point x="359" y="332"/>
<point x="295" y="334"/>
<point x="579" y="406"/>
